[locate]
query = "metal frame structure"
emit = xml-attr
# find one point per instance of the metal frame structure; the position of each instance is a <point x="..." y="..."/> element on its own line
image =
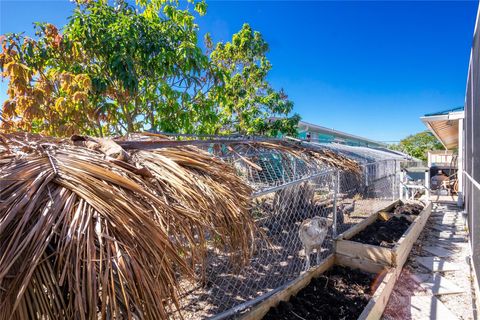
<point x="470" y="152"/>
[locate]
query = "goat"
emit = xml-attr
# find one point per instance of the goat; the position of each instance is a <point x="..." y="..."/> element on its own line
<point x="312" y="233"/>
<point x="346" y="208"/>
<point x="294" y="199"/>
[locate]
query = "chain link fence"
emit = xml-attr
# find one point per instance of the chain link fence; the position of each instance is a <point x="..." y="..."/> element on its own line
<point x="287" y="190"/>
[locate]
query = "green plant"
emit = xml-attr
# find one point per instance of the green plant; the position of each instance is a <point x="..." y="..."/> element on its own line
<point x="417" y="145"/>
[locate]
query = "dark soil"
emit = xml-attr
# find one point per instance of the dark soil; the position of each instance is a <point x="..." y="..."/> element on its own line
<point x="339" y="293"/>
<point x="409" y="209"/>
<point x="383" y="233"/>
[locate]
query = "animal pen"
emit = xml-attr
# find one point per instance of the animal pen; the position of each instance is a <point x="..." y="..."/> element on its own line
<point x="346" y="184"/>
<point x="284" y="183"/>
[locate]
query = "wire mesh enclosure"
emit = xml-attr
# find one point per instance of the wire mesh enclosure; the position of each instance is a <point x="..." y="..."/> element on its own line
<point x="469" y="153"/>
<point x="287" y="189"/>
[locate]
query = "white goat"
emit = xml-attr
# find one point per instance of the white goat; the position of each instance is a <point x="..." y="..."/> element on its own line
<point x="312" y="233"/>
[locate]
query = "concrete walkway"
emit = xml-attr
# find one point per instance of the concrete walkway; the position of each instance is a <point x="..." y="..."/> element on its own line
<point x="435" y="282"/>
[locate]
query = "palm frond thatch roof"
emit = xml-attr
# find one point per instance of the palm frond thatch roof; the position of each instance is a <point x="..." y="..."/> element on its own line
<point x="82" y="235"/>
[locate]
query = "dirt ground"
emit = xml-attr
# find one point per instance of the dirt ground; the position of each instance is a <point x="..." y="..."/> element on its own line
<point x="407" y="285"/>
<point x="340" y="293"/>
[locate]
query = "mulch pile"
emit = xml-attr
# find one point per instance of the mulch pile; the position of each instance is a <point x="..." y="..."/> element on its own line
<point x="339" y="293"/>
<point x="387" y="233"/>
<point x="383" y="233"/>
<point x="409" y="209"/>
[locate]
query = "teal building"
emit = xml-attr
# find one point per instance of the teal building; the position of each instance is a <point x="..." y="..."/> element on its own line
<point x="325" y="135"/>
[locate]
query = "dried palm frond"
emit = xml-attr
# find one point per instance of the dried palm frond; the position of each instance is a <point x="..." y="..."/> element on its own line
<point x="334" y="160"/>
<point x="309" y="154"/>
<point x="84" y="236"/>
<point x="200" y="183"/>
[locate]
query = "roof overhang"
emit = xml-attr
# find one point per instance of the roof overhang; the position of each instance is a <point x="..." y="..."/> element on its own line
<point x="445" y="127"/>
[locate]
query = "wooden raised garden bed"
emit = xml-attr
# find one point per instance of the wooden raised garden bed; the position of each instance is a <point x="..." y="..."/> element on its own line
<point x="381" y="266"/>
<point x="380" y="285"/>
<point x="395" y="255"/>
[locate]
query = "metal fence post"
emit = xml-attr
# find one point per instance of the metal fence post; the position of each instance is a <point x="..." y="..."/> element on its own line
<point x="295" y="169"/>
<point x="427" y="182"/>
<point x="365" y="168"/>
<point x="336" y="186"/>
<point x="400" y="184"/>
<point x="394" y="180"/>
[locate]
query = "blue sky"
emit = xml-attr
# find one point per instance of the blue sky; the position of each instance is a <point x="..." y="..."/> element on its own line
<point x="367" y="68"/>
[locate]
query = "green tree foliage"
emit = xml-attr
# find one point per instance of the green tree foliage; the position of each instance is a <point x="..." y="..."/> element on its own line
<point x="118" y="69"/>
<point x="148" y="65"/>
<point x="417" y="145"/>
<point x="144" y="69"/>
<point x="247" y="102"/>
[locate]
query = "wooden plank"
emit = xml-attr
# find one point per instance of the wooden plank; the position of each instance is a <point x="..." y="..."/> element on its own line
<point x="355" y="255"/>
<point x="375" y="307"/>
<point x="362" y="264"/>
<point x="379" y="300"/>
<point x="387" y="256"/>
<point x="364" y="251"/>
<point x="289" y="289"/>
<point x="362" y="225"/>
<point x="415" y="228"/>
<point x="429" y="308"/>
<point x="404" y="246"/>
